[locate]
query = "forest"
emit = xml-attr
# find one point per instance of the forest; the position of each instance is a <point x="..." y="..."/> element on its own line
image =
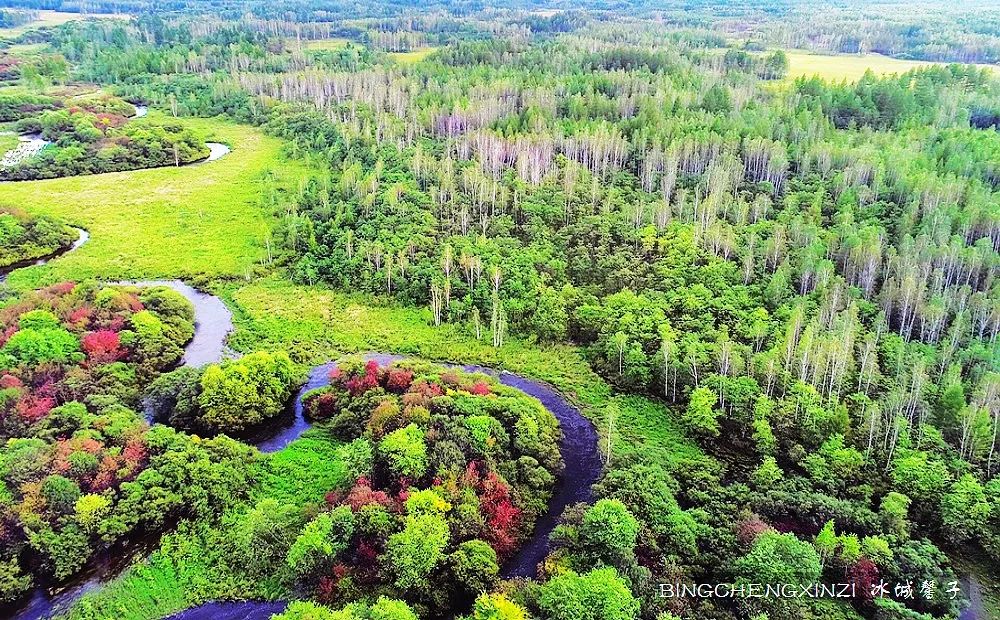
<point x="761" y="307"/>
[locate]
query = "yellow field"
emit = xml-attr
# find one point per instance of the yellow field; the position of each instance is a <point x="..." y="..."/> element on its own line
<point x="412" y="57"/>
<point x="325" y="45"/>
<point x="848" y="67"/>
<point x="54" y="18"/>
<point x="202" y="219"/>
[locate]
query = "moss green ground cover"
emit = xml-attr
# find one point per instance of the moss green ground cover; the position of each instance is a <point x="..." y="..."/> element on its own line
<point x="54" y="18"/>
<point x="413" y="56"/>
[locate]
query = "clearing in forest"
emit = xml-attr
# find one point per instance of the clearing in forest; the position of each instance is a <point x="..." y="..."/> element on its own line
<point x="201" y="219"/>
<point x="850" y="67"/>
<point x="55" y="18"/>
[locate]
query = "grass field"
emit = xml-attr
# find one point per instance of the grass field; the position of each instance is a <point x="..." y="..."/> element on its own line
<point x="848" y="67"/>
<point x="412" y="57"/>
<point x="317" y="324"/>
<point x="325" y="44"/>
<point x="54" y="18"/>
<point x="194" y="220"/>
<point x="7" y="142"/>
<point x="27" y="49"/>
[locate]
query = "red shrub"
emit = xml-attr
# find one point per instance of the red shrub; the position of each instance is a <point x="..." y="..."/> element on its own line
<point x="134" y="304"/>
<point x="135" y="453"/>
<point x="367" y="552"/>
<point x="32" y="408"/>
<point x="480" y="388"/>
<point x="424" y="389"/>
<point x="80" y="315"/>
<point x="10" y="381"/>
<point x="106" y="474"/>
<point x="362" y="383"/>
<point x="502" y="517"/>
<point x="322" y="406"/>
<point x="102" y="346"/>
<point x="749" y="529"/>
<point x="62" y="288"/>
<point x="6" y="334"/>
<point x="362" y="495"/>
<point x="398" y="380"/>
<point x="863" y="574"/>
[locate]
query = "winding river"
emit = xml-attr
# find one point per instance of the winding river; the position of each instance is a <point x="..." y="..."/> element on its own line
<point x="213" y="323"/>
<point x="82" y="237"/>
<point x="578" y="448"/>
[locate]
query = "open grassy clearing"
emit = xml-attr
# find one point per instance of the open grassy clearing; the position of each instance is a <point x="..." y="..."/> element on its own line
<point x="202" y="219"/>
<point x="26" y="49"/>
<point x="321" y="45"/>
<point x="316" y="324"/>
<point x="7" y="142"/>
<point x="850" y="67"/>
<point x="413" y="56"/>
<point x="55" y="18"/>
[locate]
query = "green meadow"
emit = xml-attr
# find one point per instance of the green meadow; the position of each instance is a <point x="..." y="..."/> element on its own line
<point x="199" y="220"/>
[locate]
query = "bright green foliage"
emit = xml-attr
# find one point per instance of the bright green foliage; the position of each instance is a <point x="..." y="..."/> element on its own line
<point x="893" y="510"/>
<point x="779" y="558"/>
<point x="700" y="416"/>
<point x="965" y="510"/>
<point x="426" y="502"/>
<point x="358" y="457"/>
<point x="45" y="342"/>
<point x="474" y="565"/>
<point x="767" y="473"/>
<point x="416" y="551"/>
<point x="13" y="582"/>
<point x="320" y="541"/>
<point x="390" y="609"/>
<point x="497" y="607"/>
<point x="304" y="610"/>
<point x="405" y="451"/>
<point x="90" y="510"/>
<point x="597" y="595"/>
<point x="826" y="541"/>
<point x="920" y="476"/>
<point x="608" y="533"/>
<point x="238" y="394"/>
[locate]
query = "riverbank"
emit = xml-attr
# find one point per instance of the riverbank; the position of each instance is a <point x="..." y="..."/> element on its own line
<point x="204" y="221"/>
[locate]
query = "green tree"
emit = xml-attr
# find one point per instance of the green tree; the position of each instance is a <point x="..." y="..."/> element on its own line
<point x="320" y="541"/>
<point x="779" y="558"/>
<point x="405" y="452"/>
<point x="965" y="510"/>
<point x="474" y="566"/>
<point x="414" y="553"/>
<point x="700" y="416"/>
<point x="13" y="581"/>
<point x="597" y="595"/>
<point x="608" y="534"/>
<point x="240" y="393"/>
<point x="497" y="607"/>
